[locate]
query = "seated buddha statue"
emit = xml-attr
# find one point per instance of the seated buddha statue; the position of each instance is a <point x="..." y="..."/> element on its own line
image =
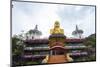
<point x="56" y="29"/>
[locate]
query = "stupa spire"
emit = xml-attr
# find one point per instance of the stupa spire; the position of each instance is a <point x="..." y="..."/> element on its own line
<point x="36" y="27"/>
<point x="77" y="32"/>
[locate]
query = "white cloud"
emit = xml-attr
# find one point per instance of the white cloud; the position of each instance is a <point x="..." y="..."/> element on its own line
<point x="27" y="15"/>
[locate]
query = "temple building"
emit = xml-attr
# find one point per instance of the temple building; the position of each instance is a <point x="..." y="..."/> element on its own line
<point x="56" y="49"/>
<point x="57" y="53"/>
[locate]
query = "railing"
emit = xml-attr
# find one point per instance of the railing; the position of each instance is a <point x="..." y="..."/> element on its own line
<point x="33" y="56"/>
<point x="47" y="48"/>
<point x="35" y="48"/>
<point x="71" y="54"/>
<point x="47" y="41"/>
<point x="74" y="47"/>
<point x="78" y="53"/>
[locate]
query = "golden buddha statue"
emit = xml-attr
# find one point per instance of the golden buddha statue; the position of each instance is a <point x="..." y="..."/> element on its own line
<point x="56" y="29"/>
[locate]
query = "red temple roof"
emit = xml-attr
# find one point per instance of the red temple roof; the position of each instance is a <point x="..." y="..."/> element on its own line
<point x="46" y="41"/>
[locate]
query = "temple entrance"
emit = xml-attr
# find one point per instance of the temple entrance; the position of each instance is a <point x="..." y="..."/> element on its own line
<point x="57" y="50"/>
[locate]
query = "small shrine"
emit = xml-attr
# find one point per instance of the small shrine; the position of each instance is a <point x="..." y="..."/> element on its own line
<point x="57" y="48"/>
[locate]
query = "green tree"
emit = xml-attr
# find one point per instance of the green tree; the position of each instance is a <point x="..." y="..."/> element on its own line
<point x="16" y="46"/>
<point x="90" y="41"/>
<point x="17" y="50"/>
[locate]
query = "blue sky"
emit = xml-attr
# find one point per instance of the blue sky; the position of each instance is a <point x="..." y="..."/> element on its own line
<point x="26" y="15"/>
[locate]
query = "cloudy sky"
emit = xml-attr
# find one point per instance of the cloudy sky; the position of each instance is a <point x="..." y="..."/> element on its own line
<point x="26" y="15"/>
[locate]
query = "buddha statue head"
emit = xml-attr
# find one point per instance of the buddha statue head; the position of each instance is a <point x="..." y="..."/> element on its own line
<point x="57" y="24"/>
<point x="56" y="29"/>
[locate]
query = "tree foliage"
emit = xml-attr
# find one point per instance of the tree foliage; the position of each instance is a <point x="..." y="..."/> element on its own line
<point x="16" y="46"/>
<point x="17" y="50"/>
<point x="90" y="41"/>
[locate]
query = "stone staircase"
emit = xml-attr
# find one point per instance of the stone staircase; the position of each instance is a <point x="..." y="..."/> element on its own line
<point x="57" y="59"/>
